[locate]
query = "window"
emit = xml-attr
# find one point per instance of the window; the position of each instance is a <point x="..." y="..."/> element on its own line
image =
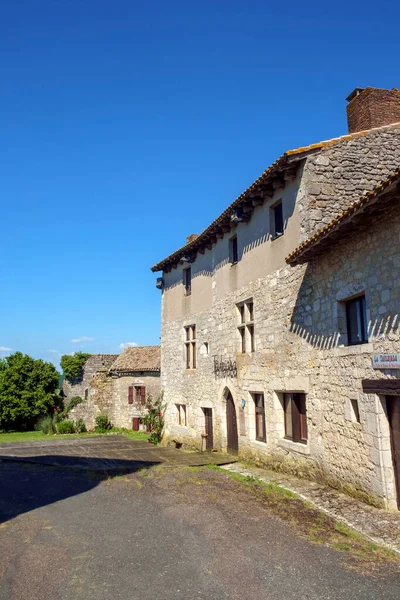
<point x="140" y="394"/>
<point x="246" y="326"/>
<point x="260" y="417"/>
<point x="187" y="281"/>
<point x="276" y="220"/>
<point x="86" y="393"/>
<point x="294" y="407"/>
<point x="355" y="412"/>
<point x="190" y="346"/>
<point x="233" y="250"/>
<point x="181" y="408"/>
<point x="356" y="319"/>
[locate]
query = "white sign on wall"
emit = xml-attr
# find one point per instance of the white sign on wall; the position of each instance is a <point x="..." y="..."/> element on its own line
<point x="386" y="361"/>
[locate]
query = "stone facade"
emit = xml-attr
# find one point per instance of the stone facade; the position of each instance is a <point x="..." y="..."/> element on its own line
<point x="299" y="337"/>
<point x="105" y="389"/>
<point x="339" y="174"/>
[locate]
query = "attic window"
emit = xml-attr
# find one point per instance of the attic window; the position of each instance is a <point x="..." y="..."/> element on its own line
<point x="187" y="281"/>
<point x="233" y="250"/>
<point x="276" y="216"/>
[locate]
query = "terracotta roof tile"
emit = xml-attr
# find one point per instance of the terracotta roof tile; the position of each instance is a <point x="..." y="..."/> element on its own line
<point x="138" y="358"/>
<point x="298" y="255"/>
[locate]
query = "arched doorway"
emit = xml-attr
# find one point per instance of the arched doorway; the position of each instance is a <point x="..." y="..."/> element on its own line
<point x="231" y="424"/>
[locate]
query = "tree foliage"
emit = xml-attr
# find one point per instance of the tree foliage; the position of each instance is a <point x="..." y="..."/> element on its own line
<point x="72" y="364"/>
<point x="27" y="390"/>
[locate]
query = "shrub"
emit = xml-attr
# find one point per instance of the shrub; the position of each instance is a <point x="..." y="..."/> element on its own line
<point x="63" y="414"/>
<point x="66" y="427"/>
<point x="103" y="423"/>
<point x="47" y="425"/>
<point x="154" y="419"/>
<point x="72" y="365"/>
<point x="80" y="426"/>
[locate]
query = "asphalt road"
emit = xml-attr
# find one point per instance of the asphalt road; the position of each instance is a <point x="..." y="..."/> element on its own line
<point x="165" y="535"/>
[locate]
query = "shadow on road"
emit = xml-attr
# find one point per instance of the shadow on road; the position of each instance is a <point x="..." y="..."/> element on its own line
<point x="29" y="483"/>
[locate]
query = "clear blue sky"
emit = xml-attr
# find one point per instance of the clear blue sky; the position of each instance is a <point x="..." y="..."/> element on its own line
<point x="127" y="125"/>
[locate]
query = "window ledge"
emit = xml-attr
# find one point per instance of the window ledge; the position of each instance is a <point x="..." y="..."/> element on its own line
<point x="294" y="446"/>
<point x="366" y="348"/>
<point x="259" y="443"/>
<point x="233" y="264"/>
<point x="276" y="236"/>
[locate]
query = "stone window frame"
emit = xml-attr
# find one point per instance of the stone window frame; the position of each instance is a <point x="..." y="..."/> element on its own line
<point x="190" y="344"/>
<point x="182" y="414"/>
<point x="344" y="295"/>
<point x="245" y="326"/>
<point x="259" y="410"/>
<point x="299" y="435"/>
<point x="360" y="302"/>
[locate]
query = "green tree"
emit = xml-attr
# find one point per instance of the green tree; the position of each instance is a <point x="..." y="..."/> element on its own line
<point x="72" y="364"/>
<point x="27" y="390"/>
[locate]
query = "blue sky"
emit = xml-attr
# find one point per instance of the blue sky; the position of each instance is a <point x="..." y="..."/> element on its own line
<point x="126" y="126"/>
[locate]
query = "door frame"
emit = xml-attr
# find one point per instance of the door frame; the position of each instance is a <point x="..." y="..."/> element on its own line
<point x="232" y="434"/>
<point x="396" y="463"/>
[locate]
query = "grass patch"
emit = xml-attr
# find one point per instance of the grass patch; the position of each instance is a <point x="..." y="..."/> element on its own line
<point x="315" y="525"/>
<point x="22" y="436"/>
<point x="33" y="436"/>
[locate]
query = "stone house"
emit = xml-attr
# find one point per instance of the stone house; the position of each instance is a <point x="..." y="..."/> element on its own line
<point x="116" y="385"/>
<point x="272" y="316"/>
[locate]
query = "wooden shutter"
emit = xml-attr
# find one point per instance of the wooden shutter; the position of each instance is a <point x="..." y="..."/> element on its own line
<point x="143" y="394"/>
<point x="135" y="423"/>
<point x="130" y="394"/>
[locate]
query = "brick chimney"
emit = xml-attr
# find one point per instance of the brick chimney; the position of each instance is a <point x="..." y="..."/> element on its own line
<point x="191" y="238"/>
<point x="372" y="107"/>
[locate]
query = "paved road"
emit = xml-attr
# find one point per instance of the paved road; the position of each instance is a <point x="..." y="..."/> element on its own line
<point x="164" y="534"/>
<point x="114" y="452"/>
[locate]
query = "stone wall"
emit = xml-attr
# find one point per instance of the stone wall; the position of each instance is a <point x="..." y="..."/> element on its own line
<point x="299" y="336"/>
<point x="300" y="340"/>
<point x="341" y="172"/>
<point x="95" y="364"/>
<point x="108" y="394"/>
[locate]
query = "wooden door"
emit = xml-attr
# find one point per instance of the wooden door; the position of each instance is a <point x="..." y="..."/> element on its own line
<point x="209" y="428"/>
<point x="393" y="409"/>
<point x="231" y="425"/>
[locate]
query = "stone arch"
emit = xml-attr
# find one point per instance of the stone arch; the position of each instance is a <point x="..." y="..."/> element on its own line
<point x="232" y="437"/>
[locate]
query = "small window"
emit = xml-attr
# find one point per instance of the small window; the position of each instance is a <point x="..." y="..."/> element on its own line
<point x="233" y="250"/>
<point x="181" y="411"/>
<point x="246" y="326"/>
<point x="187" y="281"/>
<point x="140" y="394"/>
<point x="355" y="410"/>
<point x="277" y="220"/>
<point x="190" y="346"/>
<point x="86" y="393"/>
<point x="294" y="407"/>
<point x="260" y="417"/>
<point x="356" y="319"/>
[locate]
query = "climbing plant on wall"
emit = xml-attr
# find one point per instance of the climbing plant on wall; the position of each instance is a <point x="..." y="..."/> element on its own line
<point x="72" y="364"/>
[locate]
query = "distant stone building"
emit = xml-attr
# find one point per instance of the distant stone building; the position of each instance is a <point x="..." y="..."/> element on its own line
<point x="278" y="319"/>
<point x="116" y="385"/>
